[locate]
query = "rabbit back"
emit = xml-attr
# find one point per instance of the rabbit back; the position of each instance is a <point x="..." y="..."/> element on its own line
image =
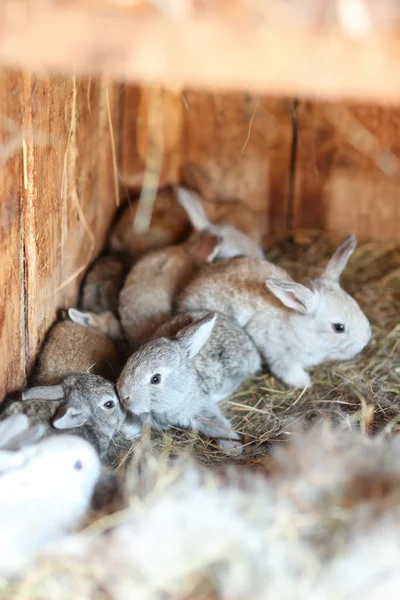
<point x="228" y="357"/>
<point x="235" y="287"/>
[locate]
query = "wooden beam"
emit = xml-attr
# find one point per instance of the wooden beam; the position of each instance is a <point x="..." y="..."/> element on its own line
<point x="238" y="46"/>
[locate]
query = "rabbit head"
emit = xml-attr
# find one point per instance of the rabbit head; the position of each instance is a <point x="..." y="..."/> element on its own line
<point x="328" y="317"/>
<point x="87" y="399"/>
<point x="58" y="463"/>
<point x="106" y="321"/>
<point x="159" y="378"/>
<point x="203" y="246"/>
<point x="234" y="242"/>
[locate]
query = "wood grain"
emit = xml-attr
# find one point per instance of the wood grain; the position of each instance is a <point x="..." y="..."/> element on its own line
<point x="347" y="175"/>
<point x="241" y="142"/>
<point x="12" y="248"/>
<point x="57" y="201"/>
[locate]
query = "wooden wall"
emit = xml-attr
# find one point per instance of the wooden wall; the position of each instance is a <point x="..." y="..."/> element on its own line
<point x="56" y="201"/>
<point x="298" y="164"/>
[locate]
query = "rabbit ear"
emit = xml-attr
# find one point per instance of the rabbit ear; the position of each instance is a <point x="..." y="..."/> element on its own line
<point x="11" y="427"/>
<point x="339" y="260"/>
<point x="293" y="295"/>
<point x="10" y="460"/>
<point x="26" y="438"/>
<point x="44" y="392"/>
<point x="193" y="337"/>
<point x="71" y="417"/>
<point x="191" y="204"/>
<point x="81" y="318"/>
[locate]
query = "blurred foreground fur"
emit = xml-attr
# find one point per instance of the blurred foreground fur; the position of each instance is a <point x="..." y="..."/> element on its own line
<point x="323" y="522"/>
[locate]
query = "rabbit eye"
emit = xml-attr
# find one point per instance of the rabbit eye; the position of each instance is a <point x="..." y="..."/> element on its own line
<point x="109" y="404"/>
<point x="338" y="327"/>
<point x="155" y="379"/>
<point x="78" y="465"/>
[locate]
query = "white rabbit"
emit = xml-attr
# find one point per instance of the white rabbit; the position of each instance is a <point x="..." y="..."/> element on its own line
<point x="44" y="497"/>
<point x="234" y="241"/>
<point x="177" y="378"/>
<point x="15" y="433"/>
<point x="293" y="326"/>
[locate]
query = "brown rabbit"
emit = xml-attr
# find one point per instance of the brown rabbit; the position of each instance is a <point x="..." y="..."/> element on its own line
<point x="102" y="285"/>
<point x="220" y="211"/>
<point x="169" y="225"/>
<point x="72" y="348"/>
<point x="156" y="279"/>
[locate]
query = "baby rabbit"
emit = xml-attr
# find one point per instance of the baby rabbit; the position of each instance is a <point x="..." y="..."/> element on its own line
<point x="84" y="403"/>
<point x="169" y="225"/>
<point x="106" y="322"/>
<point x="102" y="284"/>
<point x="47" y="495"/>
<point x="72" y="348"/>
<point x="293" y="326"/>
<point x="234" y="241"/>
<point x="155" y="280"/>
<point x="15" y="434"/>
<point x="193" y="362"/>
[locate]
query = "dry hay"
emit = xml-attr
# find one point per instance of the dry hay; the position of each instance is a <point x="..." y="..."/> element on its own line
<point x="312" y="525"/>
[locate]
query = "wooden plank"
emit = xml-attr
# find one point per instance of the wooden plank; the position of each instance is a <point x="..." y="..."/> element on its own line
<point x="56" y="222"/>
<point x="330" y="49"/>
<point x="241" y="142"/>
<point x="12" y="251"/>
<point x="348" y="169"/>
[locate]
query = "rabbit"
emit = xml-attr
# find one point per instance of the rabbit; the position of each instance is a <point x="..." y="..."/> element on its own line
<point x="169" y="225"/>
<point x="292" y="325"/>
<point x="84" y="403"/>
<point x="43" y="498"/>
<point x="102" y="285"/>
<point x="234" y="241"/>
<point x="220" y="211"/>
<point x="16" y="433"/>
<point x="106" y="322"/>
<point x="191" y="363"/>
<point x="73" y="348"/>
<point x="153" y="282"/>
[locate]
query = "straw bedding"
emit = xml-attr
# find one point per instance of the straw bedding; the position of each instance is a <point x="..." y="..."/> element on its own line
<point x="301" y="519"/>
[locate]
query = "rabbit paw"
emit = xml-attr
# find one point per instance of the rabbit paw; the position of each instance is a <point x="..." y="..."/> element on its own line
<point x="232" y="447"/>
<point x="297" y="378"/>
<point x="131" y="430"/>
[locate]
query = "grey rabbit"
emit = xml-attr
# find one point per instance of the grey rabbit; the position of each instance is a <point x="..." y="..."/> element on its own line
<point x="84" y="404"/>
<point x="294" y="326"/>
<point x="147" y="296"/>
<point x="102" y="285"/>
<point x="191" y="363"/>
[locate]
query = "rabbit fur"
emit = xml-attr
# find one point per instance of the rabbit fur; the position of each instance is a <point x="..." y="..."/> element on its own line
<point x="73" y="348"/>
<point x="44" y="497"/>
<point x="106" y="322"/>
<point x="169" y="225"/>
<point x="198" y="359"/>
<point x="83" y="403"/>
<point x="102" y="284"/>
<point x="234" y="241"/>
<point x="146" y="298"/>
<point x="293" y="326"/>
